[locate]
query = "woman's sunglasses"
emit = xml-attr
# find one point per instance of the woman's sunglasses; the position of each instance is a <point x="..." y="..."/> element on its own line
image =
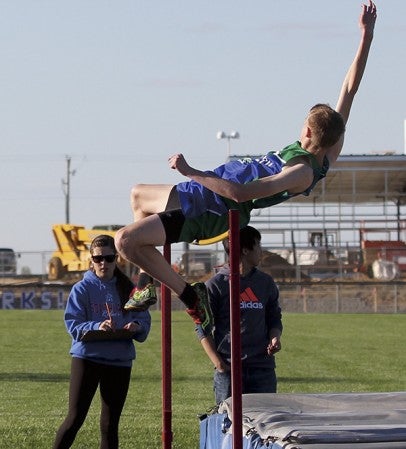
<point x="108" y="258"/>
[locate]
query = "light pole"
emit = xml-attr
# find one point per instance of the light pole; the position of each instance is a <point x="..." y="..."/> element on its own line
<point x="233" y="135"/>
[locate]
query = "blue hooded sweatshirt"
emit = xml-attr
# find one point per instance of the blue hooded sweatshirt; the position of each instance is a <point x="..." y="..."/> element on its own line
<point x="86" y="309"/>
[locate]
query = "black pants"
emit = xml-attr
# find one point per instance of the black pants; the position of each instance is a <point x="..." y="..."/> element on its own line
<point x="86" y="376"/>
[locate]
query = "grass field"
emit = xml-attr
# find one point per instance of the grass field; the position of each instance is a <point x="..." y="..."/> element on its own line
<point x="321" y="353"/>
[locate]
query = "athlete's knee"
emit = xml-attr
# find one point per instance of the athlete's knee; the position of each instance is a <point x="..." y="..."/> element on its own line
<point x="124" y="240"/>
<point x="136" y="195"/>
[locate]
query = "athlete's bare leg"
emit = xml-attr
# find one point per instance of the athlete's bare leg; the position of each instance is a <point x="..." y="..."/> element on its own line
<point x="148" y="199"/>
<point x="137" y="243"/>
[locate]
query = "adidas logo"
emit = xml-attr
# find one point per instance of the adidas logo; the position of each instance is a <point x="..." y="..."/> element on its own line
<point x="248" y="300"/>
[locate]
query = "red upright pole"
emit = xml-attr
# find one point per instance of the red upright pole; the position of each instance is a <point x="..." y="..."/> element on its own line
<point x="166" y="344"/>
<point x="235" y="327"/>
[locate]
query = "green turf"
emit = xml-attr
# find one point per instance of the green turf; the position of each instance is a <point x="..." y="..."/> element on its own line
<point x="321" y="353"/>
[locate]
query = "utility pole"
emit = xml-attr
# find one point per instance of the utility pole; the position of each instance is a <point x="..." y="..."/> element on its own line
<point x="66" y="188"/>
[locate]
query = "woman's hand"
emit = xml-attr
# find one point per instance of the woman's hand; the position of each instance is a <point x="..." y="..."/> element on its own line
<point x="107" y="325"/>
<point x="132" y="327"/>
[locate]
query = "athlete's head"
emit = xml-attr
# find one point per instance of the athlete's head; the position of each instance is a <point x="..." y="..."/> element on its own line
<point x="326" y="125"/>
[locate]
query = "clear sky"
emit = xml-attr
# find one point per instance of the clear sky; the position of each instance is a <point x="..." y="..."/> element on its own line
<point x="119" y="86"/>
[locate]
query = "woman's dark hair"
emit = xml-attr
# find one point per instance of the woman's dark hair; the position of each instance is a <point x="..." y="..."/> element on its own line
<point x="249" y="236"/>
<point x="123" y="284"/>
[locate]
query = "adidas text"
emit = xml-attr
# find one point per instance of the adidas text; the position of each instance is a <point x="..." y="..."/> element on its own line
<point x="251" y="305"/>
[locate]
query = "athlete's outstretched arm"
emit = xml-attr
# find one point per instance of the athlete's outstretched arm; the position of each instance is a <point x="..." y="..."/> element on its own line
<point x="355" y="73"/>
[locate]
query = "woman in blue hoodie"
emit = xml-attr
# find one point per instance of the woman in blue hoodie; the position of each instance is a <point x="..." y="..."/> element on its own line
<point x="96" y="304"/>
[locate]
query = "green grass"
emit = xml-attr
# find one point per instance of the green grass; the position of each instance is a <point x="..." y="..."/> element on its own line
<point x="321" y="353"/>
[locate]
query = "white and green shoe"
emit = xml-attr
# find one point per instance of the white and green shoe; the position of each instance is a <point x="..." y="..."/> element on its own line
<point x="141" y="299"/>
<point x="201" y="312"/>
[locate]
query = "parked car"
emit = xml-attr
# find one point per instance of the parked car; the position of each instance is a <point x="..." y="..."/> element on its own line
<point x="8" y="262"/>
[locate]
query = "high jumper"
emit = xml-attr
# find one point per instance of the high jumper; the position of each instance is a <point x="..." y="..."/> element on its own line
<point x="198" y="208"/>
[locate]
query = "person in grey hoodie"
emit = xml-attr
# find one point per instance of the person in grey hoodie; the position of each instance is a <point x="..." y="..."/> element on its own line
<point x="96" y="303"/>
<point x="261" y="322"/>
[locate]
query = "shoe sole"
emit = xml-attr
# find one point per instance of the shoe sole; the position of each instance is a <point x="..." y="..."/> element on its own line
<point x="141" y="307"/>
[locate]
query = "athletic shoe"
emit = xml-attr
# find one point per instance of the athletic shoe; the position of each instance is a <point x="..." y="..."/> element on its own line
<point x="201" y="312"/>
<point x="141" y="299"/>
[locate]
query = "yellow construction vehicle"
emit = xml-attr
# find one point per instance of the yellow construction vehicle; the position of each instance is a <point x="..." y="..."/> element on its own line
<point x="72" y="255"/>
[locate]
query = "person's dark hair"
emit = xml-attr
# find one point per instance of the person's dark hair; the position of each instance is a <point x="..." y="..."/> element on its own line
<point x="249" y="236"/>
<point x="103" y="241"/>
<point x="326" y="124"/>
<point x="123" y="284"/>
